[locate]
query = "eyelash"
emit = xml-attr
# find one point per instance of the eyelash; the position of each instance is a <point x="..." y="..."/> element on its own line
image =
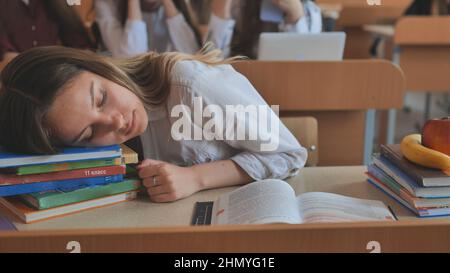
<point x="101" y="104"/>
<point x="104" y="97"/>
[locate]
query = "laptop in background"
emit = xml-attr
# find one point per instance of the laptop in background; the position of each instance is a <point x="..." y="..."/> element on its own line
<point x="281" y="46"/>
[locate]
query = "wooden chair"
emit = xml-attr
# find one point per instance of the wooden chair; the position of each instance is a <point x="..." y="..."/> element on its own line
<point x="340" y="95"/>
<point x="306" y="130"/>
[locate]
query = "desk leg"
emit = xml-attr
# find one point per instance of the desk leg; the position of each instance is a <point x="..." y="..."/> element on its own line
<point x="369" y="136"/>
<point x="390" y="134"/>
<point x="427" y="111"/>
<point x="392" y="113"/>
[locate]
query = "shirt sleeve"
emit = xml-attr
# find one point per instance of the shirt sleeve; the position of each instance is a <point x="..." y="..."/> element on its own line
<point x="221" y="33"/>
<point x="310" y="23"/>
<point x="123" y="41"/>
<point x="182" y="35"/>
<point x="267" y="149"/>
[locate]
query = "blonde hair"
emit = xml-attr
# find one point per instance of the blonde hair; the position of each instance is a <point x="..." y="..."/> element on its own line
<point x="151" y="72"/>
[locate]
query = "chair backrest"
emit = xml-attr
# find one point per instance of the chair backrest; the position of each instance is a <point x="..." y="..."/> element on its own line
<point x="338" y="94"/>
<point x="306" y="130"/>
<point x="424" y="43"/>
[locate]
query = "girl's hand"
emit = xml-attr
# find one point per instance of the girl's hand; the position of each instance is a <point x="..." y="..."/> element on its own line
<point x="167" y="182"/>
<point x="292" y="8"/>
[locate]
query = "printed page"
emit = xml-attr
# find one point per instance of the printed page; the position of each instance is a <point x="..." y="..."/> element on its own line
<point x="318" y="207"/>
<point x="260" y="202"/>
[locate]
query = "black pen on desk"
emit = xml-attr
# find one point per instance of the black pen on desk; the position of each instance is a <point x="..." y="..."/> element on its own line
<point x="392" y="211"/>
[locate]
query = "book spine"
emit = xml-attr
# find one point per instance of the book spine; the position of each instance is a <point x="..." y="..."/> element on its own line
<point x="67" y="166"/>
<point x="381" y="177"/>
<point x="398" y="162"/>
<point x="80" y="173"/>
<point x="395" y="197"/>
<point x="66" y="155"/>
<point x="11" y="190"/>
<point x="84" y="194"/>
<point x="392" y="173"/>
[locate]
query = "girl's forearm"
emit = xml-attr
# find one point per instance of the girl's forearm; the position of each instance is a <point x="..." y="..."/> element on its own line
<point x="222" y="8"/>
<point x="221" y="173"/>
<point x="169" y="8"/>
<point x="134" y="10"/>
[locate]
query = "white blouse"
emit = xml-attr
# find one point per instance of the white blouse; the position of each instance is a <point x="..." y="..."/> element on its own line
<point x="155" y="32"/>
<point x="219" y="86"/>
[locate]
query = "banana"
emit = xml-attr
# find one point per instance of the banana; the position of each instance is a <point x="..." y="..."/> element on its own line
<point x="412" y="148"/>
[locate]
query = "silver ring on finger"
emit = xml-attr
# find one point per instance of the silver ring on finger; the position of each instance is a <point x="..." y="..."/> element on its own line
<point x="154" y="180"/>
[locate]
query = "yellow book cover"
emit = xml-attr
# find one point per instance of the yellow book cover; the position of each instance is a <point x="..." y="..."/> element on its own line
<point x="129" y="156"/>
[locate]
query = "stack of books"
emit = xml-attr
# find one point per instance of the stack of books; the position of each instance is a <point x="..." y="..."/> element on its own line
<point x="38" y="187"/>
<point x="424" y="191"/>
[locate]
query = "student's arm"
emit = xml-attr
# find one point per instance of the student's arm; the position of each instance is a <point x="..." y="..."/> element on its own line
<point x="310" y="20"/>
<point x="293" y="10"/>
<point x="272" y="153"/>
<point x="222" y="8"/>
<point x="134" y="10"/>
<point x="221" y="25"/>
<point x="174" y="182"/>
<point x="122" y="40"/>
<point x="181" y="34"/>
<point x="169" y="8"/>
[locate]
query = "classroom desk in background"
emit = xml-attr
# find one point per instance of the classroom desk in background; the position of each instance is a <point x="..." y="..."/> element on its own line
<point x="357" y="13"/>
<point x="142" y="226"/>
<point x="420" y="45"/>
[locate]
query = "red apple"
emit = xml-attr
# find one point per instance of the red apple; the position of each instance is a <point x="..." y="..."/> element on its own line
<point x="436" y="135"/>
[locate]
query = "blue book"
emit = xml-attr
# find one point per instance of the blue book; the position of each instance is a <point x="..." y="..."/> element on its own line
<point x="69" y="154"/>
<point x="63" y="185"/>
<point x="407" y="182"/>
<point x="425" y="213"/>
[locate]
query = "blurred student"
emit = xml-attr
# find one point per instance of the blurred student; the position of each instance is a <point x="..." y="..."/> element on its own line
<point x="25" y="24"/>
<point x="300" y="16"/>
<point x="131" y="27"/>
<point x="428" y="7"/>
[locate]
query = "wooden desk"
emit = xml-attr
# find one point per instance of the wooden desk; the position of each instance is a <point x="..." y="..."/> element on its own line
<point x="357" y="13"/>
<point x="424" y="52"/>
<point x="142" y="226"/>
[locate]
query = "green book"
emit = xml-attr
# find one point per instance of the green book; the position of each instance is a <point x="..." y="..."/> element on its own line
<point x="51" y="199"/>
<point x="67" y="166"/>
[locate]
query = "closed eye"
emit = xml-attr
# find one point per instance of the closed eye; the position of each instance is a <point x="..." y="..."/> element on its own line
<point x="101" y="103"/>
<point x="103" y="99"/>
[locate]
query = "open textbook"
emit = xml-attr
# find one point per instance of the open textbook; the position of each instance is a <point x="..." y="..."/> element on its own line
<point x="274" y="201"/>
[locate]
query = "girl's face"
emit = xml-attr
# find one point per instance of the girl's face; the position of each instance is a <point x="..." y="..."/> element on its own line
<point x="94" y="111"/>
